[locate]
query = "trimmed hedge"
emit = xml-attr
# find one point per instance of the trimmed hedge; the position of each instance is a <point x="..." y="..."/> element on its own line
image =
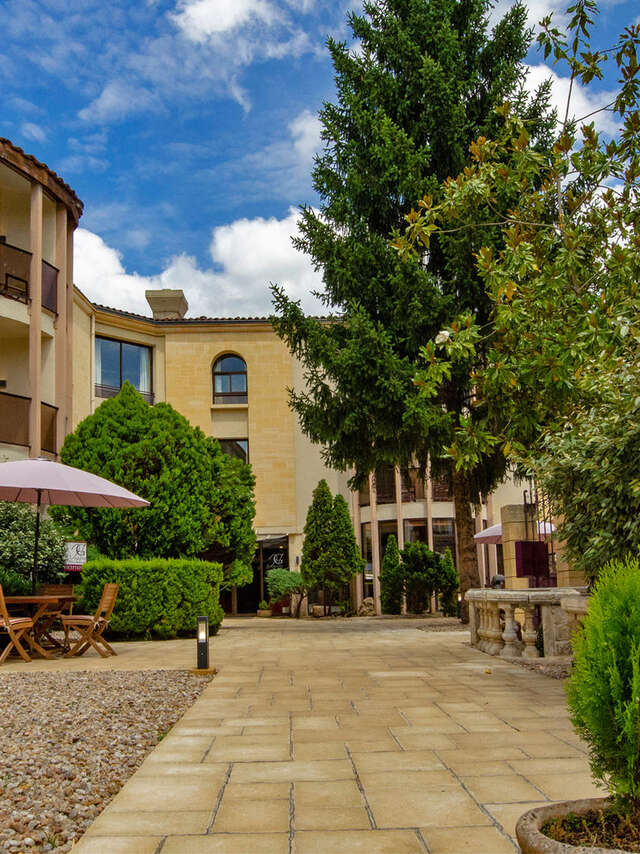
<point x="157" y="597"/>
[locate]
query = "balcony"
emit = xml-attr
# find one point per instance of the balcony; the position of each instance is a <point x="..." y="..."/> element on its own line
<point x="15" y="270"/>
<point x="112" y="391"/>
<point x="14" y="422"/>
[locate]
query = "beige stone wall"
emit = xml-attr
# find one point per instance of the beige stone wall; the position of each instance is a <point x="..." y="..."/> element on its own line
<point x="14" y="207"/>
<point x="82" y="360"/>
<point x="14" y="357"/>
<point x="190" y="355"/>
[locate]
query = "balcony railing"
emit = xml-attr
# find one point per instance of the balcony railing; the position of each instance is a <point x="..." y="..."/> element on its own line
<point x="14" y="419"/>
<point x="15" y="271"/>
<point x="112" y="391"/>
<point x="15" y="266"/>
<point x="48" y="417"/>
<point x="49" y="287"/>
<point x="14" y="422"/>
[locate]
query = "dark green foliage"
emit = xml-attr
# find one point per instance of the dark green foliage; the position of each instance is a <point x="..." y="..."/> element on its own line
<point x="391" y="579"/>
<point x="423" y="84"/>
<point x="283" y="582"/>
<point x="17" y="540"/>
<point x="421" y="570"/>
<point x="447" y="585"/>
<point x="202" y="500"/>
<point x="330" y="555"/>
<point x="156" y="598"/>
<point x="604" y="689"/>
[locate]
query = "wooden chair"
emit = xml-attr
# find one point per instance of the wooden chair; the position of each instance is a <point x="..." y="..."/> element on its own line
<point x="90" y="628"/>
<point x="54" y="613"/>
<point x="15" y="628"/>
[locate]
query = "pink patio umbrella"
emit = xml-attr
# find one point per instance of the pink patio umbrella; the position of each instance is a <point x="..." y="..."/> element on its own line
<point x="43" y="481"/>
<point x="494" y="533"/>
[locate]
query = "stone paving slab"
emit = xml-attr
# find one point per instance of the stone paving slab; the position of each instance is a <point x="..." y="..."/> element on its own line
<point x="348" y="736"/>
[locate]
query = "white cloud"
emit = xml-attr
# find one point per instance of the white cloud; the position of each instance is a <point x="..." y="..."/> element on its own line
<point x="118" y="100"/>
<point x="247" y="256"/>
<point x="305" y="130"/>
<point x="201" y="19"/>
<point x="33" y="131"/>
<point x="584" y="101"/>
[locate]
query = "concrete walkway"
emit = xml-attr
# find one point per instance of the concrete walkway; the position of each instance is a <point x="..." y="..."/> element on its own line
<point x="349" y="736"/>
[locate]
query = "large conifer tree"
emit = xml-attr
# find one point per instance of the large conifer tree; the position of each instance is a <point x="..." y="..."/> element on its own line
<point x="422" y="84"/>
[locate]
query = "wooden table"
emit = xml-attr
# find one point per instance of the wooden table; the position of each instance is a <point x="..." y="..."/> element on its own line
<point x="38" y="604"/>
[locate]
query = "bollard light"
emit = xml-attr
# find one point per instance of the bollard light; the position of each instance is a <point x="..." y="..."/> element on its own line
<point x="203" y="643"/>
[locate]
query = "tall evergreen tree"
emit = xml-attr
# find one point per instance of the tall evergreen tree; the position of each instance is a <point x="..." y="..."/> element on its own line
<point x="391" y="579"/>
<point x="318" y="533"/>
<point x="422" y="85"/>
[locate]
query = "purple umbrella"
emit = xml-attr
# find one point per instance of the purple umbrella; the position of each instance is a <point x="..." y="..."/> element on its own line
<point x="43" y="481"/>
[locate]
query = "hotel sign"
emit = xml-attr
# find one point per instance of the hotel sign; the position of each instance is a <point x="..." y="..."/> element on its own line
<point x="75" y="556"/>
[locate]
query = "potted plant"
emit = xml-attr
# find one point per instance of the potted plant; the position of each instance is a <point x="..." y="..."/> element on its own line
<point x="263" y="609"/>
<point x="604" y="703"/>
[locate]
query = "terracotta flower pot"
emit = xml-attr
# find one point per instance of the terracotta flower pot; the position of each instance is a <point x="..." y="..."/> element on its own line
<point x="532" y="841"/>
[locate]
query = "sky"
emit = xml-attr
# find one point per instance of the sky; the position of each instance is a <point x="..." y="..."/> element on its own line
<point x="188" y="129"/>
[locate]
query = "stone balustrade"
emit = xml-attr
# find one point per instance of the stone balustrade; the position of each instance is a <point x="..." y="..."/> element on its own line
<point x="503" y="622"/>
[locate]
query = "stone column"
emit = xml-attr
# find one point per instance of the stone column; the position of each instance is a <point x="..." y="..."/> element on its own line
<point x="62" y="329"/>
<point x="375" y="543"/>
<point x="511" y="648"/>
<point x="513" y="528"/>
<point x="529" y="633"/>
<point x="492" y="550"/>
<point x="400" y="523"/>
<point x="357" y="529"/>
<point x="482" y="570"/>
<point x="429" y="502"/>
<point x="35" y="321"/>
<point x="69" y="347"/>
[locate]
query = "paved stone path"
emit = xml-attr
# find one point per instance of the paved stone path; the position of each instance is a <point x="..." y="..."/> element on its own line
<point x="349" y="736"/>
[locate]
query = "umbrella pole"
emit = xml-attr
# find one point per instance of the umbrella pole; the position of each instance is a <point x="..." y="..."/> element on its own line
<point x="34" y="574"/>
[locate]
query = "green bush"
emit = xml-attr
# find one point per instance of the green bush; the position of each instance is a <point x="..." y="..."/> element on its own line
<point x="283" y="582"/>
<point x="391" y="579"/>
<point x="604" y="689"/>
<point x="157" y="597"/>
<point x="420" y="567"/>
<point x="17" y="539"/>
<point x="447" y="584"/>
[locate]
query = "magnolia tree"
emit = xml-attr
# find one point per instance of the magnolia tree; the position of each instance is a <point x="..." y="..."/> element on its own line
<point x="553" y="369"/>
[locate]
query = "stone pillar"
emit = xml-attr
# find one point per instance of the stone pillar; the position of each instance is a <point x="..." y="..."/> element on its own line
<point x="429" y="503"/>
<point x="375" y="543"/>
<point x="62" y="329"/>
<point x="492" y="550"/>
<point x="400" y="523"/>
<point x="69" y="346"/>
<point x="513" y="528"/>
<point x="357" y="529"/>
<point x="234" y="601"/>
<point x="529" y="633"/>
<point x="482" y="570"/>
<point x="511" y="647"/>
<point x="35" y="321"/>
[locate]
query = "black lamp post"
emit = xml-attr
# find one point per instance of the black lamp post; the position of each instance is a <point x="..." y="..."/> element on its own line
<point x="203" y="643"/>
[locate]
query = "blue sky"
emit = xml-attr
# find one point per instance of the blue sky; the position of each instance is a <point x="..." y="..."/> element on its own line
<point x="188" y="129"/>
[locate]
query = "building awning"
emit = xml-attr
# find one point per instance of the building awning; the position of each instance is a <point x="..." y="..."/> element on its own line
<point x="494" y="533"/>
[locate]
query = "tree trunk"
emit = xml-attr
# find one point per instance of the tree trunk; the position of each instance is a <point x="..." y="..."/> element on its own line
<point x="465" y="530"/>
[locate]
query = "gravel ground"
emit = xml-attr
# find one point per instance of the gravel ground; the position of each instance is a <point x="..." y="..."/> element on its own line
<point x="69" y="742"/>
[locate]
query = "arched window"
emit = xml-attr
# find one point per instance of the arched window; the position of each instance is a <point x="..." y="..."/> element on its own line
<point x="230" y="380"/>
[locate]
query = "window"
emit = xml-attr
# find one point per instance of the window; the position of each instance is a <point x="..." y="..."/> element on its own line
<point x="238" y="448"/>
<point x="230" y="380"/>
<point x="444" y="536"/>
<point x="118" y="362"/>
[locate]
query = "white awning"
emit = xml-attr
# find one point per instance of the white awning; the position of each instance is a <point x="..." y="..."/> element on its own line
<point x="494" y="533"/>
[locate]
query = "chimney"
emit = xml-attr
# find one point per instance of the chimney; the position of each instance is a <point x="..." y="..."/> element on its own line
<point x="167" y="304"/>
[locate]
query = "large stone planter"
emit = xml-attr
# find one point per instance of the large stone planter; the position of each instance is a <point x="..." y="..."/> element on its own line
<point x="532" y="841"/>
<point x="264" y="612"/>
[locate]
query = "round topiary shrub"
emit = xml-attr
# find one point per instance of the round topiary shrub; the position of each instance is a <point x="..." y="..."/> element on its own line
<point x="604" y="689"/>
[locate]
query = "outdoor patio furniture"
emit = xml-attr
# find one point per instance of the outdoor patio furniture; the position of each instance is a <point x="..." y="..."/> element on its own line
<point x="15" y="627"/>
<point x="38" y="605"/>
<point x="53" y="614"/>
<point x="91" y="627"/>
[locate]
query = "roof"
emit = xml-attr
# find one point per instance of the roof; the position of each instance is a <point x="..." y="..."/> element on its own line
<point x="178" y="321"/>
<point x="27" y="163"/>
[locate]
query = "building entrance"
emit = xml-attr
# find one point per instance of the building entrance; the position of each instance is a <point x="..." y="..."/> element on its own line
<point x="272" y="553"/>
